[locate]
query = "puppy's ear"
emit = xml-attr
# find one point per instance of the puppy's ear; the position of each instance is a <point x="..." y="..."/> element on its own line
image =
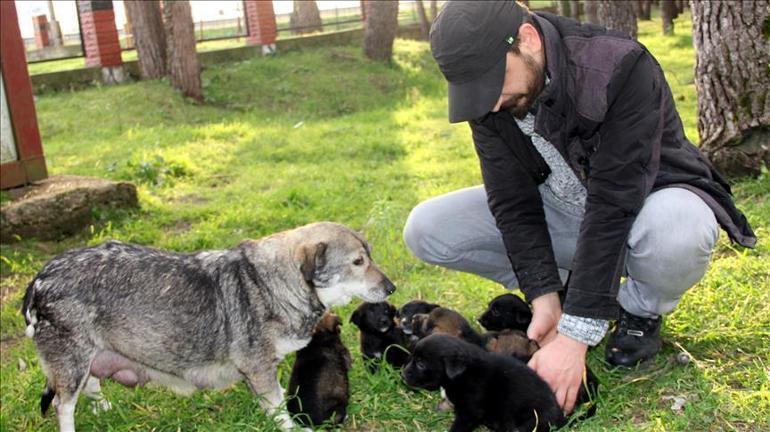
<point x="454" y="366"/>
<point x="311" y="258"/>
<point x="391" y="310"/>
<point x="356" y="317"/>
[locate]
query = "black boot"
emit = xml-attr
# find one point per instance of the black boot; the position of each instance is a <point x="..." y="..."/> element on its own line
<point x="634" y="340"/>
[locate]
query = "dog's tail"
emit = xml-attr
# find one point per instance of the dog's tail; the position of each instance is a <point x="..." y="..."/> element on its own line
<point x="28" y="309"/>
<point x="46" y="398"/>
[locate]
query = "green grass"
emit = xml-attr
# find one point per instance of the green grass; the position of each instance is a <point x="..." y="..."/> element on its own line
<point x="326" y="135"/>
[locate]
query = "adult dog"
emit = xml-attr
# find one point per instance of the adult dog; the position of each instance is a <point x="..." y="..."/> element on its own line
<point x="205" y="320"/>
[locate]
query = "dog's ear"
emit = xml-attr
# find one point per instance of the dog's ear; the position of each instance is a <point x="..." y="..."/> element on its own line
<point x="391" y="310"/>
<point x="356" y="317"/>
<point x="454" y="366"/>
<point x="312" y="257"/>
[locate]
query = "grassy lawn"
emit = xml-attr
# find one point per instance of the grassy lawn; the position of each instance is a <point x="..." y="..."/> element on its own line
<point x="327" y="135"/>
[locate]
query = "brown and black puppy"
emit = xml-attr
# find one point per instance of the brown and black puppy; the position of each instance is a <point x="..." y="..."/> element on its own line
<point x="446" y="321"/>
<point x="493" y="390"/>
<point x="379" y="335"/>
<point x="408" y="311"/>
<point x="506" y="311"/>
<point x="511" y="342"/>
<point x="319" y="379"/>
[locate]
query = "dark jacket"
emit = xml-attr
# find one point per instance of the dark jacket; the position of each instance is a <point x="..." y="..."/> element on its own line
<point x="609" y="111"/>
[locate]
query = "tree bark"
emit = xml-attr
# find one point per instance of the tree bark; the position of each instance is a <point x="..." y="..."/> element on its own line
<point x="644" y="7"/>
<point x="433" y="10"/>
<point x="591" y="9"/>
<point x="424" y="21"/>
<point x="563" y="7"/>
<point x="667" y="14"/>
<point x="305" y="17"/>
<point x="733" y="83"/>
<point x="183" y="63"/>
<point x="617" y="15"/>
<point x="149" y="37"/>
<point x="575" y="8"/>
<point x="380" y="30"/>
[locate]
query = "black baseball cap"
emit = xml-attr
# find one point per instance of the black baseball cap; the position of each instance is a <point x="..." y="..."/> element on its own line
<point x="469" y="40"/>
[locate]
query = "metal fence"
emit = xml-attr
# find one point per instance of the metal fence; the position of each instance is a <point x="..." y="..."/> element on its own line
<point x="225" y="29"/>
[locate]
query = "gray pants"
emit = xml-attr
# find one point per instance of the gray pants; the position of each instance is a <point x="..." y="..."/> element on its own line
<point x="669" y="246"/>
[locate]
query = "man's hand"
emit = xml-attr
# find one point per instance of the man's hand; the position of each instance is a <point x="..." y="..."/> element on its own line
<point x="545" y="318"/>
<point x="561" y="363"/>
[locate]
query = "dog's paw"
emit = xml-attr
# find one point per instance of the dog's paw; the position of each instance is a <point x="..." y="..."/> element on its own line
<point x="445" y="406"/>
<point x="100" y="406"/>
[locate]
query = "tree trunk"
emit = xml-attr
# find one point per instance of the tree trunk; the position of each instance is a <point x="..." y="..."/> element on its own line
<point x="424" y="21"/>
<point x="617" y="15"/>
<point x="433" y="10"/>
<point x="575" y="8"/>
<point x="667" y="14"/>
<point x="305" y="17"/>
<point x="644" y="7"/>
<point x="591" y="9"/>
<point x="733" y="83"/>
<point x="183" y="63"/>
<point x="380" y="30"/>
<point x="563" y="7"/>
<point x="149" y="38"/>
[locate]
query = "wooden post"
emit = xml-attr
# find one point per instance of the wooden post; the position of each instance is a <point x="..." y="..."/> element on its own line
<point x="22" y="158"/>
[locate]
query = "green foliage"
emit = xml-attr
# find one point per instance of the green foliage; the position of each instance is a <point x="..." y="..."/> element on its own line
<point x="155" y="171"/>
<point x="326" y="135"/>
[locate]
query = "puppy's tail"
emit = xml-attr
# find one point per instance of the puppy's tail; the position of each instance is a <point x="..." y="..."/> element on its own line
<point x="28" y="309"/>
<point x="46" y="398"/>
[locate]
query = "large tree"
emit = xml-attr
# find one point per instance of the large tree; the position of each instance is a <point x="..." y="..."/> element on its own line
<point x="149" y="37"/>
<point x="575" y="9"/>
<point x="617" y="15"/>
<point x="380" y="29"/>
<point x="426" y="19"/>
<point x="183" y="63"/>
<point x="305" y="18"/>
<point x="668" y="12"/>
<point x="591" y="10"/>
<point x="733" y="83"/>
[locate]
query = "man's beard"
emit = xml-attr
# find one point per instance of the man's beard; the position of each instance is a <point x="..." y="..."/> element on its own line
<point x="534" y="87"/>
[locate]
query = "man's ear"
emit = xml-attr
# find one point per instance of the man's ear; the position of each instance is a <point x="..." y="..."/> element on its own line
<point x="529" y="39"/>
<point x="454" y="366"/>
<point x="312" y="257"/>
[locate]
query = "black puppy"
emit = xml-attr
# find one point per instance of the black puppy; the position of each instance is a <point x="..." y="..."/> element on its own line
<point x="408" y="311"/>
<point x="515" y="343"/>
<point x="379" y="335"/>
<point x="319" y="378"/>
<point x="506" y="311"/>
<point x="497" y="391"/>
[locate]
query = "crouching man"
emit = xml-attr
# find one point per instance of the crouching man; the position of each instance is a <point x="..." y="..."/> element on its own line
<point x="587" y="174"/>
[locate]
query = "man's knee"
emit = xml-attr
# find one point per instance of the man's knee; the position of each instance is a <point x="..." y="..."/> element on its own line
<point x="671" y="242"/>
<point x="423" y="236"/>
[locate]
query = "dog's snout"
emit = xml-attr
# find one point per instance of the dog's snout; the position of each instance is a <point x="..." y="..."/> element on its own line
<point x="388" y="285"/>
